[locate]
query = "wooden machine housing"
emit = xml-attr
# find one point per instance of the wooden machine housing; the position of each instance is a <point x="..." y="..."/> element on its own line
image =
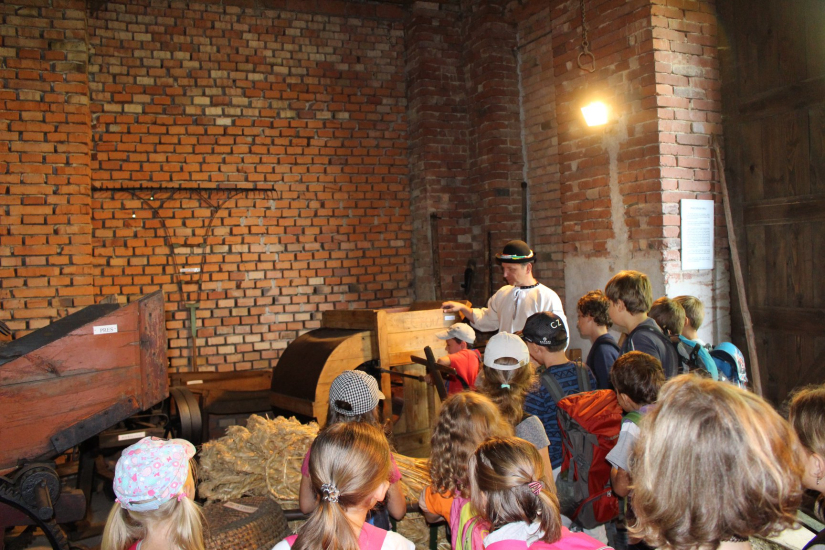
<point x="348" y="338"/>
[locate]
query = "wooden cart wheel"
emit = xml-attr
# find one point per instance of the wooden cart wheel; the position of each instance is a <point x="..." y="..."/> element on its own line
<point x="186" y="421"/>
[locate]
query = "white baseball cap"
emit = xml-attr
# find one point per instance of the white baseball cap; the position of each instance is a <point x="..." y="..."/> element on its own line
<point x="506" y="345"/>
<point x="462" y="331"/>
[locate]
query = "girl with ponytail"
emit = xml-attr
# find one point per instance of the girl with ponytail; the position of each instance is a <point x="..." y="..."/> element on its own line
<point x="514" y="493"/>
<point x="154" y="485"/>
<point x="507" y="378"/>
<point x="349" y="469"/>
<point x="354" y="397"/>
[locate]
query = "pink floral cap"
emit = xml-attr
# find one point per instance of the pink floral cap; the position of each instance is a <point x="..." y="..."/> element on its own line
<point x="151" y="472"/>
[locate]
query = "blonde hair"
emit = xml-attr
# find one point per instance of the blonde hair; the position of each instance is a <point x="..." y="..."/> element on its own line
<point x="352" y="458"/>
<point x="507" y="389"/>
<point x="501" y="473"/>
<point x="694" y="309"/>
<point x="184" y="516"/>
<point x="713" y="462"/>
<point x="807" y="416"/>
<point x="466" y="419"/>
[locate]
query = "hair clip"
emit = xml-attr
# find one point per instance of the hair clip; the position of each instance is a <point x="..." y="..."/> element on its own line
<point x="330" y="491"/>
<point x="506" y="386"/>
<point x="181" y="496"/>
<point x="535" y="486"/>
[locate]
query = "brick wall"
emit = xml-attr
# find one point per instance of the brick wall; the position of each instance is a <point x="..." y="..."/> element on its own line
<point x="295" y="154"/>
<point x="465" y="142"/>
<point x="615" y="190"/>
<point x="307" y="108"/>
<point x="688" y="87"/>
<point x="45" y="240"/>
<point x="299" y="115"/>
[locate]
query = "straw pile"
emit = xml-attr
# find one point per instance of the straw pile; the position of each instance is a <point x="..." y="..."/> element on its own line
<point x="264" y="459"/>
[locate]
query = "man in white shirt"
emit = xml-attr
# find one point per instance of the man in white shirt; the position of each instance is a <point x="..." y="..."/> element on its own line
<point x="509" y="308"/>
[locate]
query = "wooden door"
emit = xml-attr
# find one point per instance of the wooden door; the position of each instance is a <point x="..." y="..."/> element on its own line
<point x="772" y="55"/>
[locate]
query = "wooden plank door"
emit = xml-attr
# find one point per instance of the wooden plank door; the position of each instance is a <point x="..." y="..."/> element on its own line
<point x="772" y="55"/>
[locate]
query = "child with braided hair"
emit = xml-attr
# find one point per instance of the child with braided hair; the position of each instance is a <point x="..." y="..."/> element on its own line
<point x="349" y="470"/>
<point x="513" y="492"/>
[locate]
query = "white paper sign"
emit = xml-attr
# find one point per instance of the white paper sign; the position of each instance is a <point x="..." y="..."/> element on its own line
<point x="241" y="507"/>
<point x="105" y="329"/>
<point x="697" y="234"/>
<point x="135" y="435"/>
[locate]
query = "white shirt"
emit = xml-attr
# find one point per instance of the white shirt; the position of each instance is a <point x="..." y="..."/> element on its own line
<point x="509" y="308"/>
<point x="520" y="530"/>
<point x="393" y="541"/>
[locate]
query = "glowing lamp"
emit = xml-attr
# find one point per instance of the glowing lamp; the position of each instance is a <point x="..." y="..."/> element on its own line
<point x="595" y="114"/>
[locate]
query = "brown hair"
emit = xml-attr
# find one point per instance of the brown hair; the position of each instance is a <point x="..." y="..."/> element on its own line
<point x="354" y="458"/>
<point x="711" y="442"/>
<point x="501" y="472"/>
<point x="507" y="389"/>
<point x="631" y="287"/>
<point x="807" y="416"/>
<point x="595" y="304"/>
<point x="638" y="375"/>
<point x="669" y="315"/>
<point x="466" y="419"/>
<point x="694" y="309"/>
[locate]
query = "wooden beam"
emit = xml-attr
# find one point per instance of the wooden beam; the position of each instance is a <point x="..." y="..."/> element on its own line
<point x="781" y="100"/>
<point x="783" y="211"/>
<point x="802" y="320"/>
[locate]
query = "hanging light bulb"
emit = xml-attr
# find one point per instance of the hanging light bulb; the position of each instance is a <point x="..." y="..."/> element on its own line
<point x="595" y="114"/>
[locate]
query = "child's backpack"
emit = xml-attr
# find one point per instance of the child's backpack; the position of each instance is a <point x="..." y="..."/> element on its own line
<point x="731" y="363"/>
<point x="467" y="530"/>
<point x="568" y="541"/>
<point x="590" y="423"/>
<point x="693" y="357"/>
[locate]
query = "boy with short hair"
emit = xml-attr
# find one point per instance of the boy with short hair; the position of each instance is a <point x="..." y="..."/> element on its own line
<point x="630" y="296"/>
<point x="463" y="362"/>
<point x="546" y="337"/>
<point x="593" y="323"/>
<point x="694" y="316"/>
<point x="636" y="378"/>
<point x="669" y="315"/>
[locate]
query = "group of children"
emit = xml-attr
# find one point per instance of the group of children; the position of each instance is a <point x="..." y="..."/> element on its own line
<point x="704" y="463"/>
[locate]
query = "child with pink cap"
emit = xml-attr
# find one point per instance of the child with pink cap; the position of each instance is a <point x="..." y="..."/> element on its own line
<point x="155" y="487"/>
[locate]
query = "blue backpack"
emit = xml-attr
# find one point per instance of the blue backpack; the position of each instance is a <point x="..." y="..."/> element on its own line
<point x="731" y="364"/>
<point x="693" y="356"/>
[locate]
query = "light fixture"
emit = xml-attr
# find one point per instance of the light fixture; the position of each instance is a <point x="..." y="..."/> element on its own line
<point x="595" y="114"/>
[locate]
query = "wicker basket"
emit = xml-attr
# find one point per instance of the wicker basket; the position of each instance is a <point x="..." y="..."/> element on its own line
<point x="248" y="523"/>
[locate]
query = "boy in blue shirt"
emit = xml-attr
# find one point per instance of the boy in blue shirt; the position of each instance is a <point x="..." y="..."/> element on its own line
<point x="546" y="337"/>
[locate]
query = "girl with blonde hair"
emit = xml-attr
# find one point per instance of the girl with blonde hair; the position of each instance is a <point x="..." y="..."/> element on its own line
<point x="713" y="465"/>
<point x="154" y="485"/>
<point x="354" y="397"/>
<point x="807" y="416"/>
<point x="466" y="419"/>
<point x="512" y="491"/>
<point x="349" y="469"/>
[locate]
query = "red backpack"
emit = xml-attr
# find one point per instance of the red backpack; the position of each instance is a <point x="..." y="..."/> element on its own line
<point x="590" y="423"/>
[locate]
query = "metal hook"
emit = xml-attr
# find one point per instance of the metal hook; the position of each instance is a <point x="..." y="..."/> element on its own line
<point x="583" y="66"/>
